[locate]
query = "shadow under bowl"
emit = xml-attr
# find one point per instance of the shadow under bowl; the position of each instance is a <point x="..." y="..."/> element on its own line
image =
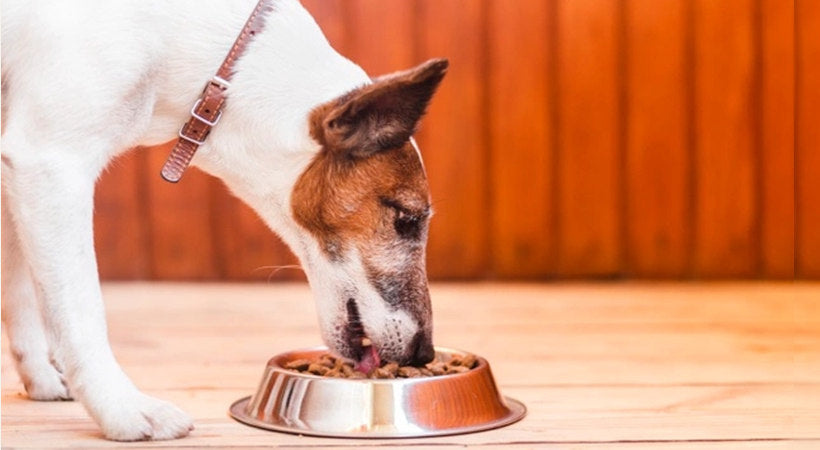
<point x="307" y="404"/>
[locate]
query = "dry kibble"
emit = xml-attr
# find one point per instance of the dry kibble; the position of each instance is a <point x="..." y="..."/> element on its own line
<point x="317" y="369"/>
<point x="328" y="365"/>
<point x="327" y="361"/>
<point x="300" y="365"/>
<point x="392" y="368"/>
<point x="409" y="372"/>
<point x="381" y="373"/>
<point x="437" y="367"/>
<point x="456" y="369"/>
<point x="469" y="361"/>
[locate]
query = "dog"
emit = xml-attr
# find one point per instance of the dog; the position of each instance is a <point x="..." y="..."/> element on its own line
<point x="322" y="152"/>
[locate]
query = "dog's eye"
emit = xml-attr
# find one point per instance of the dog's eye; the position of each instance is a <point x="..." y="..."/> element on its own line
<point x="407" y="223"/>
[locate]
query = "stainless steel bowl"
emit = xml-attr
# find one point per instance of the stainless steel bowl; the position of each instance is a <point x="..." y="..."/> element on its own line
<point x="307" y="404"/>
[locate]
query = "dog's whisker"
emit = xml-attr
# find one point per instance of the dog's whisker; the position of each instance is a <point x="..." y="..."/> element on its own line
<point x="276" y="269"/>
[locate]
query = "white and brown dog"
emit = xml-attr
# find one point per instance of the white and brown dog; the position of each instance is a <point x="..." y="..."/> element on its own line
<point x="323" y="153"/>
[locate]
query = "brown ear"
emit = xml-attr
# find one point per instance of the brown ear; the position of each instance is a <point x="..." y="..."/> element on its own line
<point x="382" y="115"/>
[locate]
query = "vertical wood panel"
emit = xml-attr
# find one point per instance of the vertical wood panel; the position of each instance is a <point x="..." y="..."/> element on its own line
<point x="657" y="168"/>
<point x="180" y="222"/>
<point x="726" y="244"/>
<point x="121" y="235"/>
<point x="777" y="109"/>
<point x="380" y="34"/>
<point x="521" y="137"/>
<point x="245" y="248"/>
<point x="588" y="138"/>
<point x="451" y="139"/>
<point x="808" y="138"/>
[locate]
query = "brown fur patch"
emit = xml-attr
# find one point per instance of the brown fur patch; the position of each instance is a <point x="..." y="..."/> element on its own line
<point x="340" y="200"/>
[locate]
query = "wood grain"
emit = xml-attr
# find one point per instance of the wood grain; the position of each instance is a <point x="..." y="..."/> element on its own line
<point x="726" y="164"/>
<point x="180" y="221"/>
<point x="452" y="139"/>
<point x="522" y="158"/>
<point x="777" y="181"/>
<point x="604" y="365"/>
<point x="380" y="34"/>
<point x="658" y="164"/>
<point x="245" y="247"/>
<point x="588" y="153"/>
<point x="122" y="236"/>
<point x="807" y="20"/>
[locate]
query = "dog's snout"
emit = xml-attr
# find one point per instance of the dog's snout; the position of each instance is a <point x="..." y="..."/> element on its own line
<point x="422" y="349"/>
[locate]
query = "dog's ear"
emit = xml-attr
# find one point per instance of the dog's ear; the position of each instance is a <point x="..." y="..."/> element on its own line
<point x="382" y="115"/>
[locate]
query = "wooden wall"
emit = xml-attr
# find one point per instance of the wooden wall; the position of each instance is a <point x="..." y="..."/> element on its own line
<point x="571" y="138"/>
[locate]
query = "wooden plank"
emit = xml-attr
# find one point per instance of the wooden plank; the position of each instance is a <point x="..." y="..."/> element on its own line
<point x="807" y="19"/>
<point x="642" y="334"/>
<point x="380" y="34"/>
<point x="136" y="210"/>
<point x="521" y="135"/>
<point x="777" y="183"/>
<point x="726" y="239"/>
<point x="657" y="153"/>
<point x="120" y="224"/>
<point x="451" y="140"/>
<point x="180" y="218"/>
<point x="588" y="134"/>
<point x="245" y="247"/>
<point x="753" y="345"/>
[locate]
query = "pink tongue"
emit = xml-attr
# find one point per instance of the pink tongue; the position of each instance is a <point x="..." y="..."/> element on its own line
<point x="370" y="360"/>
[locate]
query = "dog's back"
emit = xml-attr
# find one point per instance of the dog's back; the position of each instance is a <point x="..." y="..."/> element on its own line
<point x="95" y="61"/>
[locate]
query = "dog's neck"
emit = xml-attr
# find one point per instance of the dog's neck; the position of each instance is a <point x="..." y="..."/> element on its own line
<point x="323" y="154"/>
<point x="263" y="140"/>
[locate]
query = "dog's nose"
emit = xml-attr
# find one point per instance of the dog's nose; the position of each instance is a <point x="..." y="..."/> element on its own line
<point x="422" y="349"/>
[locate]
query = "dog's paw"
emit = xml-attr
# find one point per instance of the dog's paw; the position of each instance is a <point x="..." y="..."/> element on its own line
<point x="143" y="418"/>
<point x="44" y="383"/>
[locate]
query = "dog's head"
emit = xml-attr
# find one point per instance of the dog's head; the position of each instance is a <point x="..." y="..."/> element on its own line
<point x="364" y="203"/>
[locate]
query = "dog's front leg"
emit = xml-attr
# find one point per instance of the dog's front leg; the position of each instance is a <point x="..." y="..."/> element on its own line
<point x="50" y="197"/>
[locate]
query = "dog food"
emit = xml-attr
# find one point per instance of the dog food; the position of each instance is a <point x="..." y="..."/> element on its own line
<point x="328" y="365"/>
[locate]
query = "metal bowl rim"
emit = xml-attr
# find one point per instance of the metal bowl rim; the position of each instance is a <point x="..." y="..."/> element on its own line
<point x="517" y="411"/>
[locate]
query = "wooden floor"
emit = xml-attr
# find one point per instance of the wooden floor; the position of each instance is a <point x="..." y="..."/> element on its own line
<point x="601" y="366"/>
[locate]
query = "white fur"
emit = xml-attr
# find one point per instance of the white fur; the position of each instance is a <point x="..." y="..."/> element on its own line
<point x="85" y="80"/>
<point x="382" y="324"/>
<point x="418" y="153"/>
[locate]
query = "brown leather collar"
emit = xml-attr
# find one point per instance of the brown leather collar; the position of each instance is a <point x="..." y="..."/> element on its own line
<point x="207" y="110"/>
